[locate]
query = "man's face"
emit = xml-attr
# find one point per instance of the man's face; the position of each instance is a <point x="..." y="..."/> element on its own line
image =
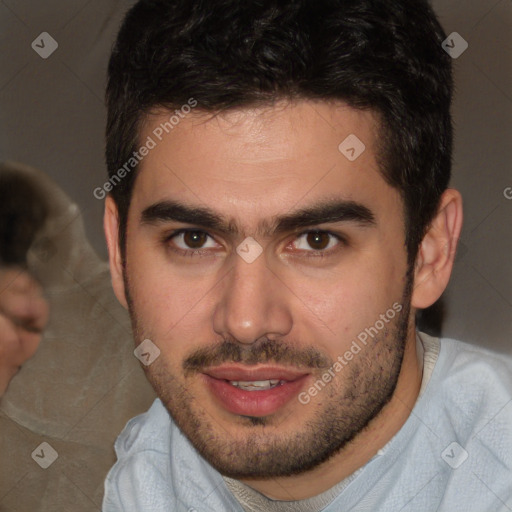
<point x="245" y="336"/>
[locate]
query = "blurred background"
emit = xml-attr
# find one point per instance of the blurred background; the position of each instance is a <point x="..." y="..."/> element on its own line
<point x="52" y="118"/>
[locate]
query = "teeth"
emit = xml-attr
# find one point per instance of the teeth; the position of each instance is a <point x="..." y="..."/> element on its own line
<point x="256" y="385"/>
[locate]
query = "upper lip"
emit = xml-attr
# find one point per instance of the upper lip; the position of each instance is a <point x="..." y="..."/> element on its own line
<point x="246" y="374"/>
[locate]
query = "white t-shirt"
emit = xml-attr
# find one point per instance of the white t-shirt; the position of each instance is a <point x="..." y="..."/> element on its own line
<point x="453" y="454"/>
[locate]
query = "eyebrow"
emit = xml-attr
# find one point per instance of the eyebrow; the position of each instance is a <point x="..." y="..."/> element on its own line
<point x="324" y="212"/>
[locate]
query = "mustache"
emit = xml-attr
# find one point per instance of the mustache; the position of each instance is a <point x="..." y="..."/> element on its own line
<point x="263" y="351"/>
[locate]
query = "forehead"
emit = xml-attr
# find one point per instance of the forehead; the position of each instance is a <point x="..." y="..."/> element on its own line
<point x="284" y="131"/>
<point x="256" y="161"/>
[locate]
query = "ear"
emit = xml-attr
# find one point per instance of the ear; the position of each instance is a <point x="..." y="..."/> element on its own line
<point x="111" y="227"/>
<point x="436" y="253"/>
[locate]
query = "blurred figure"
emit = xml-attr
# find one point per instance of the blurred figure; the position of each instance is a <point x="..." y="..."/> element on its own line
<point x="84" y="383"/>
<point x="23" y="316"/>
<point x="23" y="310"/>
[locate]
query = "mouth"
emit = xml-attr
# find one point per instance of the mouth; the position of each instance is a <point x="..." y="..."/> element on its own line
<point x="256" y="392"/>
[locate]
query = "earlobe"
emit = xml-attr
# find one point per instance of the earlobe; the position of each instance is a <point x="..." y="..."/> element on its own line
<point x="111" y="227"/>
<point x="436" y="253"/>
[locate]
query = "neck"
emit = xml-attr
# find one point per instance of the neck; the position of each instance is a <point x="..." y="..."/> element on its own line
<point x="363" y="447"/>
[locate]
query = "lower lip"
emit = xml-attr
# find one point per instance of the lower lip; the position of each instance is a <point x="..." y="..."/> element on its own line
<point x="254" y="403"/>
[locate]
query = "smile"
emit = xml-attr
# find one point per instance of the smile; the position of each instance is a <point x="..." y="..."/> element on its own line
<point x="253" y="391"/>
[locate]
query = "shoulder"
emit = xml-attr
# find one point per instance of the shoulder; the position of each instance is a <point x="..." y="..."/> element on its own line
<point x="455" y="450"/>
<point x="158" y="469"/>
<point x="470" y="404"/>
<point x="151" y="430"/>
<point x="480" y="371"/>
<point x="141" y="472"/>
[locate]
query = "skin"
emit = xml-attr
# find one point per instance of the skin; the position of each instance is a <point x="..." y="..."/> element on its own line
<point x="249" y="166"/>
<point x="23" y="316"/>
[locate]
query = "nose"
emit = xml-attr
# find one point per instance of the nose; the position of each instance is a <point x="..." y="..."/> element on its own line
<point x="254" y="303"/>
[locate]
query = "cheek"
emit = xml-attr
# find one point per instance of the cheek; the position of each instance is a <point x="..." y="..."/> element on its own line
<point x="167" y="303"/>
<point x="344" y="303"/>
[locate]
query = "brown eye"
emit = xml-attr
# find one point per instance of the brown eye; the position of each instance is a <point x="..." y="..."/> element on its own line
<point x="318" y="240"/>
<point x="191" y="241"/>
<point x="194" y="239"/>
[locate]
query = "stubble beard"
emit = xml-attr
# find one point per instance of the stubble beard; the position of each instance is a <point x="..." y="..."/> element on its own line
<point x="260" y="450"/>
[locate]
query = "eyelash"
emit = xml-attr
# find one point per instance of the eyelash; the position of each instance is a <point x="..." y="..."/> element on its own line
<point x="205" y="252"/>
